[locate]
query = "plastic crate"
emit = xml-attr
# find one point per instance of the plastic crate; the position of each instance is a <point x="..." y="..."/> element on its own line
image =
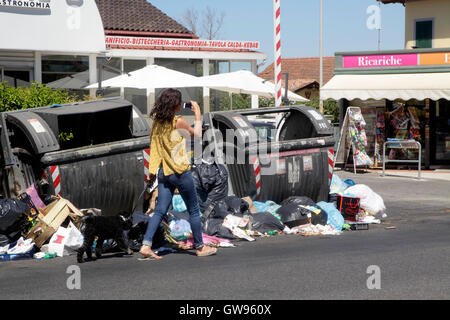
<point x="16" y="256"/>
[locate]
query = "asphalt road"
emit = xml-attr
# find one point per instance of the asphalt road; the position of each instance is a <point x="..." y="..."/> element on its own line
<point x="413" y="261"/>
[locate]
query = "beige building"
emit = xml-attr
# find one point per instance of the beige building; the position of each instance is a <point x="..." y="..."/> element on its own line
<point x="427" y="23"/>
<point x="403" y="94"/>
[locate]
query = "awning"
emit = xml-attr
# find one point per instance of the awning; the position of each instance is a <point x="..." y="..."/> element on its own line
<point x="406" y="86"/>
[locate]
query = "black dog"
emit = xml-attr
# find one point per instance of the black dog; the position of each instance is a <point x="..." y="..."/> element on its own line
<point x="103" y="228"/>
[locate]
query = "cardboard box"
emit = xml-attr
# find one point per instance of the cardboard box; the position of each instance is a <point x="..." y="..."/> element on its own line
<point x="51" y="218"/>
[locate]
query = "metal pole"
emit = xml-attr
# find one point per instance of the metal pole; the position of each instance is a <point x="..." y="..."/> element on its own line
<point x="321" y="56"/>
<point x="420" y="159"/>
<point x="379" y="30"/>
<point x="286" y="97"/>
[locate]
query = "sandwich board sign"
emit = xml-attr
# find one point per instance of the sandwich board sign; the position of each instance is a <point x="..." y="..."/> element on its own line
<point x="353" y="136"/>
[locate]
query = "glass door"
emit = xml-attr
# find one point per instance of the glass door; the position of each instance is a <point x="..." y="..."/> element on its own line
<point x="442" y="132"/>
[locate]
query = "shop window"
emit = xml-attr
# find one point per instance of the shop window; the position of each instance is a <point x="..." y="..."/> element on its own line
<point x="219" y="100"/>
<point x="136" y="96"/>
<point x="111" y="68"/>
<point x="424" y="34"/>
<point x="17" y="78"/>
<point x="406" y="120"/>
<point x="66" y="72"/>
<point x="238" y="65"/>
<point x="190" y="66"/>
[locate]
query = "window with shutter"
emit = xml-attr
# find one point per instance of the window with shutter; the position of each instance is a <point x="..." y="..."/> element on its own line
<point x="424" y="34"/>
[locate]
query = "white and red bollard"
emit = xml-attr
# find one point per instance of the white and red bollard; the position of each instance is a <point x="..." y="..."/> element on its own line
<point x="277" y="56"/>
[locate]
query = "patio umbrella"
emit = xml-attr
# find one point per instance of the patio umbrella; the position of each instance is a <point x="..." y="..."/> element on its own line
<point x="77" y="80"/>
<point x="152" y="76"/>
<point x="246" y="82"/>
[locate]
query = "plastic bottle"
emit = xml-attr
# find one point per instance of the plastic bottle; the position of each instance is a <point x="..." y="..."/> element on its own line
<point x="271" y="232"/>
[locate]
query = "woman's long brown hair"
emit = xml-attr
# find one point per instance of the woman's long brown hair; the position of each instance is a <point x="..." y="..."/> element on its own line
<point x="166" y="105"/>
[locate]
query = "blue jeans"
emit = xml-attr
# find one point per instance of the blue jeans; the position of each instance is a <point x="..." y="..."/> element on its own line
<point x="166" y="187"/>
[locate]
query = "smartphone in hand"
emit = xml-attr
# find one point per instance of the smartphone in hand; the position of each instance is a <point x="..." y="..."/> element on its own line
<point x="187" y="105"/>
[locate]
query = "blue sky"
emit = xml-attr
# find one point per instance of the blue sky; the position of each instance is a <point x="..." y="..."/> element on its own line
<point x="344" y="24"/>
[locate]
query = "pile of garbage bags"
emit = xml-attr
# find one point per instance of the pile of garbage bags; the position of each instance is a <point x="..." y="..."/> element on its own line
<point x="357" y="202"/>
<point x="225" y="218"/>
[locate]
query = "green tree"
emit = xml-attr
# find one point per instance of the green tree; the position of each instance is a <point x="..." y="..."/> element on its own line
<point x="330" y="107"/>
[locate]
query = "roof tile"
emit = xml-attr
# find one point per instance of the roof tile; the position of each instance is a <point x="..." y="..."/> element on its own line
<point x="137" y="15"/>
<point x="306" y="69"/>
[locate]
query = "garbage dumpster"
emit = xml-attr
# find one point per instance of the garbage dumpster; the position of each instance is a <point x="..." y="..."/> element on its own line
<point x="91" y="153"/>
<point x="294" y="160"/>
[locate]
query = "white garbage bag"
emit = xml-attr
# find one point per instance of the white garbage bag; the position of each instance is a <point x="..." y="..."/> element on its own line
<point x="65" y="241"/>
<point x="370" y="201"/>
<point x="22" y="246"/>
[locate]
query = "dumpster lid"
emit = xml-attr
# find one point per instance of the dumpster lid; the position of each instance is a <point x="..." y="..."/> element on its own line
<point x="62" y="127"/>
<point x="86" y="107"/>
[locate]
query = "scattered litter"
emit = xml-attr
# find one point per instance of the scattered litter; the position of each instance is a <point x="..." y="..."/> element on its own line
<point x="21" y="249"/>
<point x="226" y="245"/>
<point x="236" y="226"/>
<point x="316" y="230"/>
<point x="369" y="219"/>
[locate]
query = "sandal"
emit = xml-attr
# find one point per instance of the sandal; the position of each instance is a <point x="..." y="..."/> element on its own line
<point x="209" y="252"/>
<point x="150" y="255"/>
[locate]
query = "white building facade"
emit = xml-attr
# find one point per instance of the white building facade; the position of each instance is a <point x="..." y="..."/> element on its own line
<point x="72" y="43"/>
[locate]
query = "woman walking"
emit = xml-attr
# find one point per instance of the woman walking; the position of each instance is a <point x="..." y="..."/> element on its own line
<point x="170" y="162"/>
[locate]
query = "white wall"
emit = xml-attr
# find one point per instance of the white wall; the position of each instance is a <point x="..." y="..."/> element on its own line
<point x="70" y="26"/>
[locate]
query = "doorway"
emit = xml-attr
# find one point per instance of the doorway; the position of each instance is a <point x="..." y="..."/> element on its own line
<point x="441" y="143"/>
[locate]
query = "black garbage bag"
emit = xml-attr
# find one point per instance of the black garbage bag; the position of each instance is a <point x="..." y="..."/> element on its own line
<point x="293" y="214"/>
<point x="300" y="200"/>
<point x="318" y="216"/>
<point x="212" y="220"/>
<point x="265" y="221"/>
<point x="214" y="227"/>
<point x="216" y="212"/>
<point x="14" y="214"/>
<point x="237" y="206"/>
<point x="332" y="197"/>
<point x="220" y="209"/>
<point x="211" y="182"/>
<point x="4" y="241"/>
<point x="176" y="215"/>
